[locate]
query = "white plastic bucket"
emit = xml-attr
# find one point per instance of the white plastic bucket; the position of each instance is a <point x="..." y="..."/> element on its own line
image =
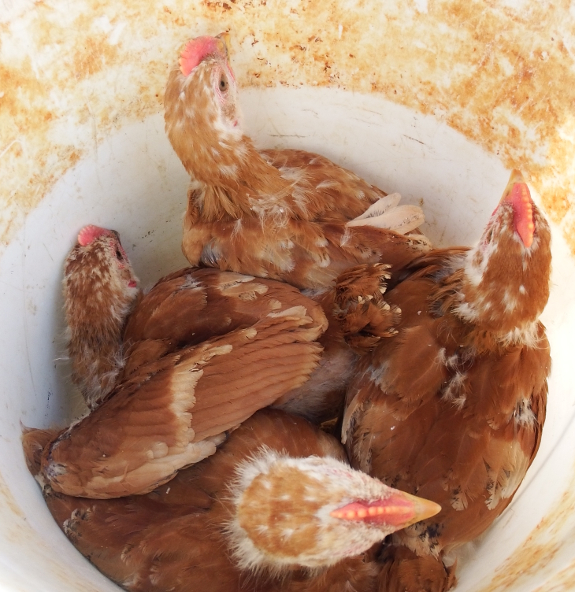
<point x="435" y="99"/>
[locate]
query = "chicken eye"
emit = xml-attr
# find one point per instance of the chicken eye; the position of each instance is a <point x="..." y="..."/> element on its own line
<point x="119" y="255"/>
<point x="223" y="84"/>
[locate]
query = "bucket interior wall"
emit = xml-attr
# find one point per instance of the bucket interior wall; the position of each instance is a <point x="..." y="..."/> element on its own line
<point x="435" y="100"/>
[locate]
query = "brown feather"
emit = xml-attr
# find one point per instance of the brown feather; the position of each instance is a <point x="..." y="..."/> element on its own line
<point x="162" y="417"/>
<point x="403" y="570"/>
<point x="193" y="305"/>
<point x="280" y="214"/>
<point x="33" y="443"/>
<point x="350" y="575"/>
<point x="452" y="408"/>
<point x="173" y="537"/>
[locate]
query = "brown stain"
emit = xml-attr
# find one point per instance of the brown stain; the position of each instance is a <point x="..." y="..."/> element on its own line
<point x="8" y="500"/>
<point x="500" y="76"/>
<point x="543" y="544"/>
<point x="562" y="581"/>
<point x="93" y="56"/>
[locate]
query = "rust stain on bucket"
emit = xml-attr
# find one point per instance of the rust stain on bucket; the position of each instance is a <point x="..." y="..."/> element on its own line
<point x="503" y="77"/>
<point x="545" y="542"/>
<point x="73" y="73"/>
<point x="9" y="500"/>
<point x="562" y="581"/>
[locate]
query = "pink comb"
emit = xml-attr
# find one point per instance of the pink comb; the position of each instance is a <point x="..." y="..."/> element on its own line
<point x="89" y="233"/>
<point x="197" y="49"/>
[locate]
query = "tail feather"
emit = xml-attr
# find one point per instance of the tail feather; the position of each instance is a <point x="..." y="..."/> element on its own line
<point x="33" y="442"/>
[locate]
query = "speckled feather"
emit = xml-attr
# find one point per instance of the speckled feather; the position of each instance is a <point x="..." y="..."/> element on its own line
<point x="277" y="213"/>
<point x="97" y="277"/>
<point x="176" y="537"/>
<point x="192" y="305"/>
<point x="203" y="351"/>
<point x="452" y="409"/>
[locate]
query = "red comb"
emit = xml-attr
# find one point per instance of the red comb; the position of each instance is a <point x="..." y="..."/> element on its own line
<point x="89" y="233"/>
<point x="197" y="49"/>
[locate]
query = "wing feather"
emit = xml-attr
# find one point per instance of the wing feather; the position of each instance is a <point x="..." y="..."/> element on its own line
<point x="171" y="538"/>
<point x="158" y="420"/>
<point x="428" y="415"/>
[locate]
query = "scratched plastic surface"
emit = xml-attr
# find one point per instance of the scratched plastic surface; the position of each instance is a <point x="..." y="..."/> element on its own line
<point x="436" y="100"/>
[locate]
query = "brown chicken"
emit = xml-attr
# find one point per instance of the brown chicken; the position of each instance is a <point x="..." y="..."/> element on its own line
<point x="277" y="496"/>
<point x="219" y="301"/>
<point x="452" y="408"/>
<point x="284" y="214"/>
<point x="100" y="289"/>
<point x="200" y="353"/>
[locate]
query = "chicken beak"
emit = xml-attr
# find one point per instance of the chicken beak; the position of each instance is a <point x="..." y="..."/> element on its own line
<point x="516" y="178"/>
<point x="517" y="193"/>
<point x="225" y="38"/>
<point x="396" y="511"/>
